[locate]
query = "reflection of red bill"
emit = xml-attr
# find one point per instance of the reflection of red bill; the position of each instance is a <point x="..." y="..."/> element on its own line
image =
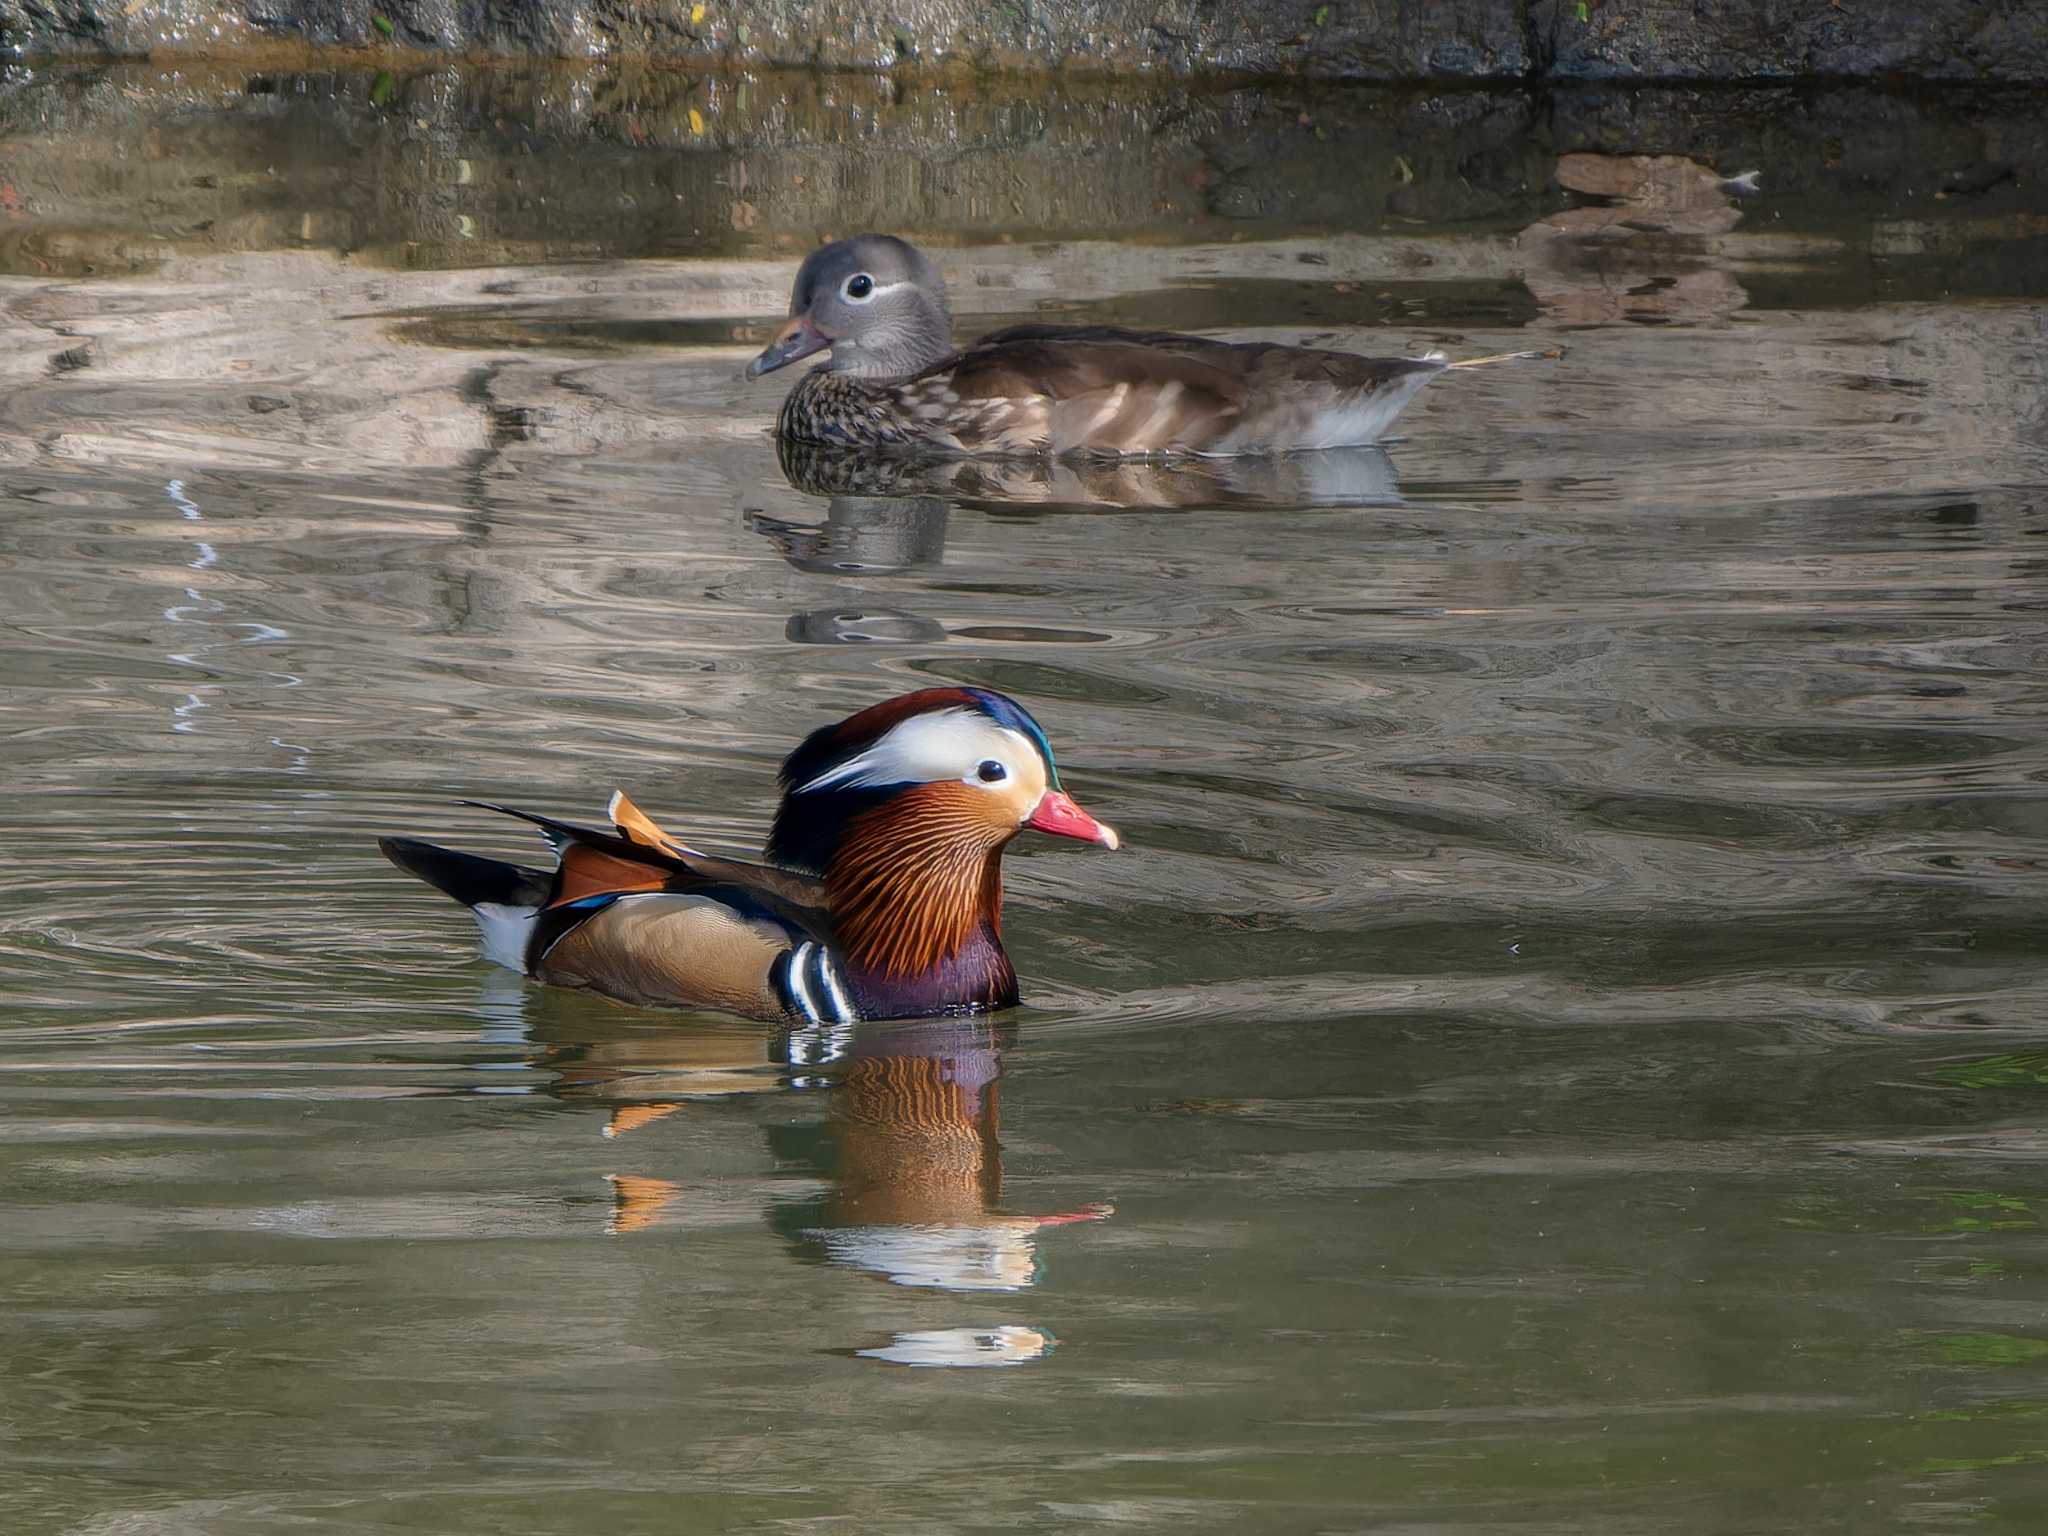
<point x="1101" y="1211"/>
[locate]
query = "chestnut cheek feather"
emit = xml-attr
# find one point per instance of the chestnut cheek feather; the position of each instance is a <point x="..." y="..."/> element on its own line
<point x="916" y="877"/>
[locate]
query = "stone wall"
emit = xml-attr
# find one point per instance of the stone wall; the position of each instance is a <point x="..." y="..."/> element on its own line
<point x="1385" y="40"/>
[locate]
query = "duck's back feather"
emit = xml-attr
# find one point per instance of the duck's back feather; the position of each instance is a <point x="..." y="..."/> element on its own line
<point x="1077" y="390"/>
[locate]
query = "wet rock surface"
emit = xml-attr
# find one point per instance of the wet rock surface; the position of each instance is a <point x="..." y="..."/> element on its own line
<point x="1500" y="40"/>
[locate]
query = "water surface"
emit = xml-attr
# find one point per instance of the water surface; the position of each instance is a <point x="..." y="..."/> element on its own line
<point x="1561" y="1050"/>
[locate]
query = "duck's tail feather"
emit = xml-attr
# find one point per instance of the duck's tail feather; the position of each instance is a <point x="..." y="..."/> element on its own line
<point x="505" y="899"/>
<point x="1506" y="357"/>
<point x="648" y="845"/>
<point x="471" y="880"/>
<point x="559" y="834"/>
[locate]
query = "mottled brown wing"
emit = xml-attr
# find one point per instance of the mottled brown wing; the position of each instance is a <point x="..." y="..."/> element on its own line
<point x="1238" y="359"/>
<point x="1271" y="368"/>
<point x="1254" y="364"/>
<point x="1076" y="390"/>
<point x="1080" y="390"/>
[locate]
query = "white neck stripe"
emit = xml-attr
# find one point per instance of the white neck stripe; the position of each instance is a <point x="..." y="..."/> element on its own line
<point x="842" y="1009"/>
<point x="799" y="989"/>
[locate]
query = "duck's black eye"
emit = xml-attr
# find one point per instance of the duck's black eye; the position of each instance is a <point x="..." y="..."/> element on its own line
<point x="859" y="286"/>
<point x="991" y="771"/>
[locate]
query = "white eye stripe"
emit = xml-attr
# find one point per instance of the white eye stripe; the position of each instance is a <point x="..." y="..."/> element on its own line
<point x="873" y="293"/>
<point x="946" y="744"/>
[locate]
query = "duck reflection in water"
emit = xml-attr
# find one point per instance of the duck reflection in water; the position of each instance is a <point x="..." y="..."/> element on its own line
<point x="861" y="535"/>
<point x="864" y="536"/>
<point x="1333" y="477"/>
<point x="907" y="1157"/>
<point x="1644" y="248"/>
<point x="885" y="516"/>
<point x="914" y="1165"/>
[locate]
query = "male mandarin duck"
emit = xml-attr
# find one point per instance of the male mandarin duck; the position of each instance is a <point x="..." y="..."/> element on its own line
<point x="895" y="382"/>
<point x="881" y="898"/>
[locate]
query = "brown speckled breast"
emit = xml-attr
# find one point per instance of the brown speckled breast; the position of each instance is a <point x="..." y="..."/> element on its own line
<point x="926" y="414"/>
<point x="831" y="407"/>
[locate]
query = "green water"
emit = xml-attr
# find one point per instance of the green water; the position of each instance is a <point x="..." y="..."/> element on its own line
<point x="1562" y="1049"/>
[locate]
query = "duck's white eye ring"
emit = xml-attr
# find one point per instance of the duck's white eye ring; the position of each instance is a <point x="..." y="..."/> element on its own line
<point x="989" y="771"/>
<point x="858" y="289"/>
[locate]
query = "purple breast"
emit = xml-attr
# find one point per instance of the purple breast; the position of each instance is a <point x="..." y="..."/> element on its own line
<point x="976" y="976"/>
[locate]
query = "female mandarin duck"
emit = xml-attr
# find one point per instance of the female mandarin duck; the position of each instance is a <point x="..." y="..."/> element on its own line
<point x="882" y="897"/>
<point x="896" y="383"/>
